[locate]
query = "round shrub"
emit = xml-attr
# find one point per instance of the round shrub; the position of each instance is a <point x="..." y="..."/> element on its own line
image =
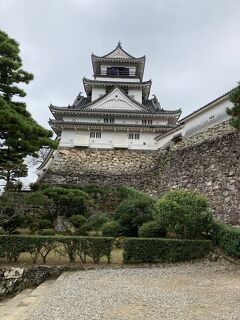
<point x="77" y="220"/>
<point x="95" y="222"/>
<point x="45" y="224"/>
<point x="185" y="213"/>
<point x="47" y="232"/>
<point x="131" y="214"/>
<point x="152" y="229"/>
<point x="111" y="229"/>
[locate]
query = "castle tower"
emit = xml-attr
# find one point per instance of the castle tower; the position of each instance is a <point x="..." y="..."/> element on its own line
<point x="116" y="111"/>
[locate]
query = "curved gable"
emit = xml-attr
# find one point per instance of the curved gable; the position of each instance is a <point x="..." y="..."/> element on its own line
<point x="115" y="100"/>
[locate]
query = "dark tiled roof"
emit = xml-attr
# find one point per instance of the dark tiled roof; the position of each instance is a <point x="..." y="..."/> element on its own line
<point x="80" y="102"/>
<point x="118" y="46"/>
<point x="149" y="106"/>
<point x="153" y="105"/>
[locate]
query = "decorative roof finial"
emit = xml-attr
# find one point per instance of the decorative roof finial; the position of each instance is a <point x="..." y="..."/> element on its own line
<point x="119" y="44"/>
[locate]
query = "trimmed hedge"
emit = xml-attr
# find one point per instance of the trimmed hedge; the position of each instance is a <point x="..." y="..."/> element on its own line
<point x="12" y="246"/>
<point x="227" y="238"/>
<point x="138" y="250"/>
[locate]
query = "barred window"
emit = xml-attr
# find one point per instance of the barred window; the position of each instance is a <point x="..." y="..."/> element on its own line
<point x="135" y="136"/>
<point x="95" y="134"/>
<point x="108" y="120"/>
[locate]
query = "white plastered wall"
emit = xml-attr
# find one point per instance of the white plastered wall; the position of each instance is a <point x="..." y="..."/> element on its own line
<point x="97" y="92"/>
<point x="109" y="139"/>
<point x="208" y="116"/>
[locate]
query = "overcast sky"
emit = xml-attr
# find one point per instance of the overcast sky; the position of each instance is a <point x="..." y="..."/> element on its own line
<point x="192" y="47"/>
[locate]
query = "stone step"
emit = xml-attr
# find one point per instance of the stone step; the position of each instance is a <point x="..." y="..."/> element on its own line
<point x="20" y="306"/>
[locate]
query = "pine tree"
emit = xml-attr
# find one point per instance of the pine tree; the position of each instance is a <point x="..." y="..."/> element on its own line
<point x="234" y="97"/>
<point x="20" y="134"/>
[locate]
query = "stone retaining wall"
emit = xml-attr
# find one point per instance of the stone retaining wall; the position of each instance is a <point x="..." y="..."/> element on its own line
<point x="15" y="279"/>
<point x="208" y="161"/>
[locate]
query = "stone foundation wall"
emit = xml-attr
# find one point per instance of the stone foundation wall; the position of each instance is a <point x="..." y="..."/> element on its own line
<point x="116" y="167"/>
<point x="208" y="161"/>
<point x="15" y="279"/>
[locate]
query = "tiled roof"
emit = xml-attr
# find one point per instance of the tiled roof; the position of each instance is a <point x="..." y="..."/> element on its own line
<point x="149" y="106"/>
<point x="225" y="95"/>
<point x="80" y="102"/>
<point x="118" y="46"/>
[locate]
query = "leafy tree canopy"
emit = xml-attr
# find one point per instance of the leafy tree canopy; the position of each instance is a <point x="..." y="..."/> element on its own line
<point x="234" y="97"/>
<point x="185" y="213"/>
<point x="20" y="134"/>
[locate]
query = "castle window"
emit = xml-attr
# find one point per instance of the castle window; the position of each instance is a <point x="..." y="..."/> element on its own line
<point x="108" y="120"/>
<point x="135" y="136"/>
<point x="95" y="134"/>
<point x="144" y="121"/>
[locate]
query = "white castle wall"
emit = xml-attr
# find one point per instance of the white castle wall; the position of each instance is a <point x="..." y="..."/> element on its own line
<point x="207" y="117"/>
<point x="108" y="140"/>
<point x="97" y="93"/>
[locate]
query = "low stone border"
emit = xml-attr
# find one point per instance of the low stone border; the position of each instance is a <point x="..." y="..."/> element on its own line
<point x="15" y="279"/>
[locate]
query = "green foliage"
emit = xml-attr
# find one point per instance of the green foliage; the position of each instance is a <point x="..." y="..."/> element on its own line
<point x="20" y="134"/>
<point x="227" y="238"/>
<point x="111" y="229"/>
<point x="131" y="214"/>
<point x="77" y="220"/>
<point x="185" y="213"/>
<point x="95" y="188"/>
<point x="12" y="246"/>
<point x="152" y="229"/>
<point x="47" y="232"/>
<point x="133" y="194"/>
<point x="45" y="224"/>
<point x="234" y="97"/>
<point x="10" y="213"/>
<point x="95" y="222"/>
<point x="139" y="250"/>
<point x="67" y="202"/>
<point x="32" y="223"/>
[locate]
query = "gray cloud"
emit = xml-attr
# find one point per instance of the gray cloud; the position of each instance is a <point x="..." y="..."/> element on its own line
<point x="192" y="47"/>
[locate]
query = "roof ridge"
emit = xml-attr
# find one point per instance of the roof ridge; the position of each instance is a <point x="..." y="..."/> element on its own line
<point x="117" y="47"/>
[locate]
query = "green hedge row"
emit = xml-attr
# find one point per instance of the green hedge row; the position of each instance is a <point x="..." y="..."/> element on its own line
<point x="228" y="239"/>
<point x="138" y="250"/>
<point x="40" y="246"/>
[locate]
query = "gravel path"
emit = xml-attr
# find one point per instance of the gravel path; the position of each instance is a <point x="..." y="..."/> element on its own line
<point x="202" y="290"/>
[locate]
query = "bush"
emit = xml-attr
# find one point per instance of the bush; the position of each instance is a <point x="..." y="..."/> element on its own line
<point x="67" y="202"/>
<point x="77" y="220"/>
<point x="111" y="229"/>
<point x="133" y="194"/>
<point x="45" y="224"/>
<point x="131" y="214"/>
<point x="152" y="229"/>
<point x="47" y="232"/>
<point x="94" y="223"/>
<point x="185" y="213"/>
<point x="227" y="238"/>
<point x="12" y="246"/>
<point x="138" y="250"/>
